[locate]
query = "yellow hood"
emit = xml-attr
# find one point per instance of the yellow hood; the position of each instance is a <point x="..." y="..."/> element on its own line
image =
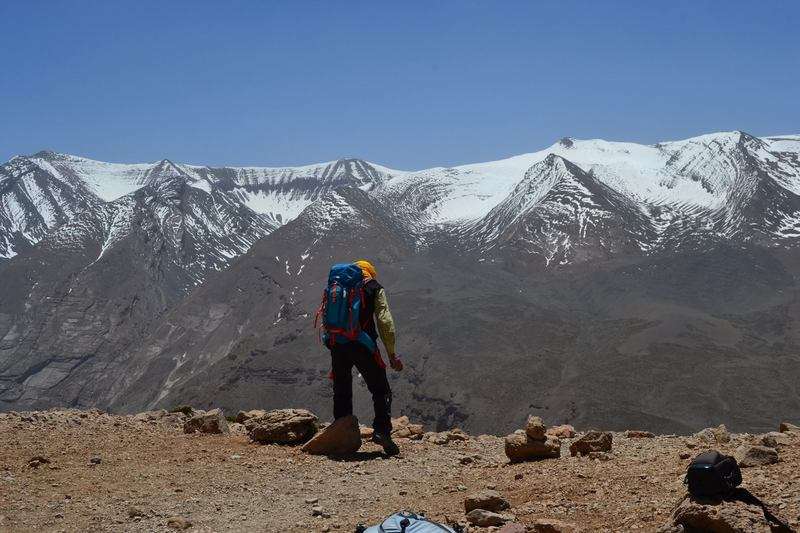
<point x="367" y="268"/>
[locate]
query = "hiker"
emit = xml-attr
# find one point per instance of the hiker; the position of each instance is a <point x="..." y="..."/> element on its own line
<point x="354" y="313"/>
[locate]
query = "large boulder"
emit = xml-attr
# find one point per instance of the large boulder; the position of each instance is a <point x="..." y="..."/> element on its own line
<point x="520" y="447"/>
<point x="283" y="426"/>
<point x="748" y="456"/>
<point x="212" y="421"/>
<point x="718" y="516"/>
<point x="593" y="441"/>
<point x="342" y="437"/>
<point x="489" y="500"/>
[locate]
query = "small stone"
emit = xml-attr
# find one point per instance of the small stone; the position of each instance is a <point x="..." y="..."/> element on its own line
<point x="135" y="512"/>
<point x="317" y="511"/>
<point x="489" y="500"/>
<point x="518" y="476"/>
<point x="282" y="426"/>
<point x="212" y="421"/>
<point x="342" y="437"/>
<point x="312" y="501"/>
<point x="773" y="439"/>
<point x="549" y="525"/>
<point x="564" y="431"/>
<point x="636" y="434"/>
<point x="593" y="441"/>
<point x="600" y="456"/>
<point x="748" y="456"/>
<point x="484" y="518"/>
<point x="466" y="460"/>
<point x="786" y="427"/>
<point x="38" y="460"/>
<point x="513" y="527"/>
<point x="717" y="435"/>
<point x="178" y="522"/>
<point x="684" y="455"/>
<point x="535" y="428"/>
<point x="95" y="460"/>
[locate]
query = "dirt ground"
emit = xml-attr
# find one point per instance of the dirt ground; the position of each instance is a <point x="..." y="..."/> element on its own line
<point x="101" y="472"/>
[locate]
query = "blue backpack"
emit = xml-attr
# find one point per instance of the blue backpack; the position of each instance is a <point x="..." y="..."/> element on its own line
<point x="340" y="310"/>
<point x="407" y="522"/>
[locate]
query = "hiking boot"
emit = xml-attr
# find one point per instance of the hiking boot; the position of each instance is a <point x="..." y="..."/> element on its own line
<point x="385" y="440"/>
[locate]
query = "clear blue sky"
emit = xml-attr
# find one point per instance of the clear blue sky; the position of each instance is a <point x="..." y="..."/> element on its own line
<point x="407" y="84"/>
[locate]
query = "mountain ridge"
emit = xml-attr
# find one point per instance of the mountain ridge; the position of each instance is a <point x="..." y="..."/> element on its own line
<point x="601" y="273"/>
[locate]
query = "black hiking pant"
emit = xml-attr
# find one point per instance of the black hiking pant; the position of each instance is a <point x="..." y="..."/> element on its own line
<point x="344" y="358"/>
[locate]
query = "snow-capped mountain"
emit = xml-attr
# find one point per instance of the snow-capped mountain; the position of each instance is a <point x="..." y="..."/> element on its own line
<point x="700" y="183"/>
<point x="146" y="285"/>
<point x="558" y="211"/>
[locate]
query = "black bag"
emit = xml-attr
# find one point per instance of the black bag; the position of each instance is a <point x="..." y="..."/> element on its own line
<point x="712" y="474"/>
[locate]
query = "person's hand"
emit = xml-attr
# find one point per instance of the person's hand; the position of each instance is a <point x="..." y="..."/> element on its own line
<point x="395" y="362"/>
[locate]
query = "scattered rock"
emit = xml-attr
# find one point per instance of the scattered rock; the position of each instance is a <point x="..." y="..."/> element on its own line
<point x="212" y="421"/>
<point x="520" y="447"/>
<point x="684" y="455"/>
<point x="636" y="434"/>
<point x="551" y="525"/>
<point x="95" y="460"/>
<point x="535" y="428"/>
<point x="484" y="518"/>
<point x="446" y="437"/>
<point x="726" y="516"/>
<point x="366" y="433"/>
<point x="786" y="427"/>
<point x="342" y="437"/>
<point x="282" y="426"/>
<point x="593" y="441"/>
<point x="244" y="416"/>
<point x="748" y="456"/>
<point x="178" y="522"/>
<point x="402" y="428"/>
<point x="411" y="431"/>
<point x="312" y="501"/>
<point x="564" y="431"/>
<point x="489" y="500"/>
<point x="717" y="435"/>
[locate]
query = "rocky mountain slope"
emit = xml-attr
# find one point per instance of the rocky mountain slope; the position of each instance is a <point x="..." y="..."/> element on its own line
<point x="87" y="470"/>
<point x="600" y="282"/>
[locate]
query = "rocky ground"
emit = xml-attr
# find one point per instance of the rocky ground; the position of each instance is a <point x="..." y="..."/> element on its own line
<point x="66" y="470"/>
